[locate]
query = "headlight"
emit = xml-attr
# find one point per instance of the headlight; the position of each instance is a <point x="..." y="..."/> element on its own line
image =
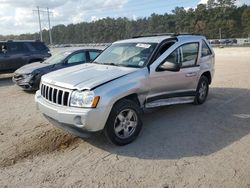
<point x="84" y="99"/>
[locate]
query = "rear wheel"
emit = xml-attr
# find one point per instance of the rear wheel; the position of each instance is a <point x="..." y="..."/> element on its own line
<point x="202" y="90"/>
<point x="124" y="123"/>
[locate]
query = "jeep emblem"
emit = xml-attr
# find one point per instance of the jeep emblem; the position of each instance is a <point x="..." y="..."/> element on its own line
<point x="53" y="82"/>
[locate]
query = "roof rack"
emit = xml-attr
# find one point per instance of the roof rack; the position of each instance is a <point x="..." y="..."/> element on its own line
<point x="163" y="34"/>
<point x="153" y="35"/>
<point x="10" y="40"/>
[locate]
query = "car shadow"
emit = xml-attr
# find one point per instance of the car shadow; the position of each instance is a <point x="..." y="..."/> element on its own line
<point x="188" y="130"/>
<point x="6" y="80"/>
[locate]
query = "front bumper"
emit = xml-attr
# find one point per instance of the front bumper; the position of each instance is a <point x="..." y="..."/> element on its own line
<point x="71" y="118"/>
<point x="26" y="84"/>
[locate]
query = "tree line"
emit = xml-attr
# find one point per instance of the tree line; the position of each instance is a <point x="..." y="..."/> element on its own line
<point x="206" y="19"/>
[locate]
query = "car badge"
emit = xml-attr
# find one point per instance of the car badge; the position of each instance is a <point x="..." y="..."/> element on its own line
<point x="53" y="82"/>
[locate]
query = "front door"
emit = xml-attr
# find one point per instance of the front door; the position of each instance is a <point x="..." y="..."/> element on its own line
<point x="76" y="59"/>
<point x="4" y="58"/>
<point x="168" y="87"/>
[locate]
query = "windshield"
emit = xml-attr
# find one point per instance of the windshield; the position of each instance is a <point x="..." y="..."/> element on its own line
<point x="126" y="54"/>
<point x="57" y="58"/>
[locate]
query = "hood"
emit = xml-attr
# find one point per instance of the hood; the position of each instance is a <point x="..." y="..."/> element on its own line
<point x="85" y="76"/>
<point x="29" y="68"/>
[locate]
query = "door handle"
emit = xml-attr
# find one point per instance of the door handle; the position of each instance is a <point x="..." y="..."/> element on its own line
<point x="191" y="74"/>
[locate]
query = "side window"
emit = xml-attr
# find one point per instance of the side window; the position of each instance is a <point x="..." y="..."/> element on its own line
<point x="39" y="46"/>
<point x="77" y="58"/>
<point x="189" y="54"/>
<point x="205" y="51"/>
<point x="93" y="55"/>
<point x="16" y="47"/>
<point x="173" y="57"/>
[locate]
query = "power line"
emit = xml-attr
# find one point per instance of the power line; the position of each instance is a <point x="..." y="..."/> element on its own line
<point x="133" y="6"/>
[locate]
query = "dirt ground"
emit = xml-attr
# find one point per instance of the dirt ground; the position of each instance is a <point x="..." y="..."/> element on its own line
<point x="180" y="146"/>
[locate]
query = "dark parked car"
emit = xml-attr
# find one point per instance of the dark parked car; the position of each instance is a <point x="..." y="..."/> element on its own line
<point x="28" y="77"/>
<point x="15" y="54"/>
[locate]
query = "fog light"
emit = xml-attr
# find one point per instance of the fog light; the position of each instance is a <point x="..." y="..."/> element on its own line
<point x="78" y="121"/>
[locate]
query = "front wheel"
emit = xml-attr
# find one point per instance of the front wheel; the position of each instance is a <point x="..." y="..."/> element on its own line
<point x="124" y="123"/>
<point x="202" y="91"/>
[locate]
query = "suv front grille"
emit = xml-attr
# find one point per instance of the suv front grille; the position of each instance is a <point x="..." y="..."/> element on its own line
<point x="55" y="95"/>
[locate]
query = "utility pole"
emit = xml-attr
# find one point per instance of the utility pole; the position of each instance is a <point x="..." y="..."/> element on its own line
<point x="39" y="19"/>
<point x="39" y="11"/>
<point x="50" y="36"/>
<point x="220" y="33"/>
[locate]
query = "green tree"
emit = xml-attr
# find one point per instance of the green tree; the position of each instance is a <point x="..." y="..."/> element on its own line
<point x="246" y="21"/>
<point x="205" y="19"/>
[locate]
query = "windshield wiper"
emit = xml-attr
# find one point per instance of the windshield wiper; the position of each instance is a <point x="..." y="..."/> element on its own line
<point x="133" y="66"/>
<point x="117" y="65"/>
<point x="104" y="63"/>
<point x="109" y="64"/>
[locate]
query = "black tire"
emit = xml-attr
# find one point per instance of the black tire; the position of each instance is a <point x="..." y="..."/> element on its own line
<point x="114" y="123"/>
<point x="200" y="97"/>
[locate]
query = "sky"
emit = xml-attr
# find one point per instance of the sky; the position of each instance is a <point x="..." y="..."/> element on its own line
<point x="17" y="16"/>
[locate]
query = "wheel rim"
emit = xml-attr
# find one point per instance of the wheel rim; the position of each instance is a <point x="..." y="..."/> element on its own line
<point x="203" y="91"/>
<point x="125" y="123"/>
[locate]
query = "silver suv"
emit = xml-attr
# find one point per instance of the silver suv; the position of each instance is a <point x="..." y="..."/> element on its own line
<point x="128" y="77"/>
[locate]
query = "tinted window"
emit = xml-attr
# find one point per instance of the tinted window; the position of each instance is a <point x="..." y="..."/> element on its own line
<point x="189" y="54"/>
<point x="16" y="47"/>
<point x="77" y="58"/>
<point x="205" y="50"/>
<point x="39" y="46"/>
<point x="93" y="55"/>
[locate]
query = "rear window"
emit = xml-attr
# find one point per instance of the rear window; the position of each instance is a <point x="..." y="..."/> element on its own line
<point x="39" y="46"/>
<point x="205" y="49"/>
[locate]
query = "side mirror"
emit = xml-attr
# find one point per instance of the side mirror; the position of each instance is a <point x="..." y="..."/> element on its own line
<point x="169" y="66"/>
